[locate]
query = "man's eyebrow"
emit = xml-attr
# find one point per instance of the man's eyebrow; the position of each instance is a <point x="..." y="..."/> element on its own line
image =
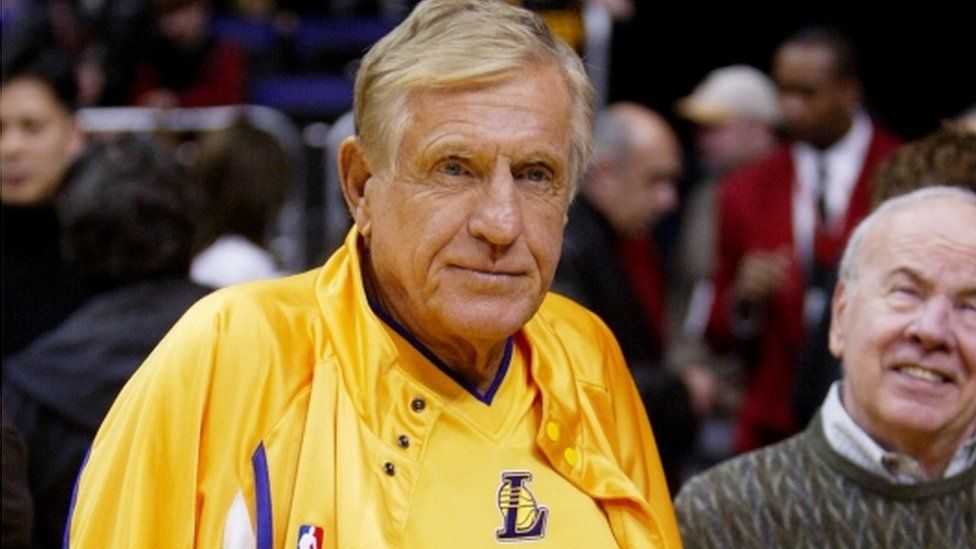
<point x="540" y="157"/>
<point x="447" y="148"/>
<point x="906" y="272"/>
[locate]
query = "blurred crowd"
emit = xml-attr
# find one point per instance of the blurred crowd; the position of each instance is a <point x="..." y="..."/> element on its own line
<point x="108" y="239"/>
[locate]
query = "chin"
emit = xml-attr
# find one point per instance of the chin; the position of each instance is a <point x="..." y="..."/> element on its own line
<point x="490" y="323"/>
<point x="915" y="417"/>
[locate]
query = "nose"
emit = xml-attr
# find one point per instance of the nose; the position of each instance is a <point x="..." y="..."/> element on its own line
<point x="931" y="325"/>
<point x="11" y="142"/>
<point x="497" y="215"/>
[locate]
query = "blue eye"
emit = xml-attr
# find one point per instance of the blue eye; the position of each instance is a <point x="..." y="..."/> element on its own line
<point x="452" y="168"/>
<point x="537" y="174"/>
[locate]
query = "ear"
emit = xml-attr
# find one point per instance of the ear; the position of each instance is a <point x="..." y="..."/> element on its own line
<point x="599" y="180"/>
<point x="838" y="310"/>
<point x="600" y="168"/>
<point x="354" y="174"/>
<point x="76" y="140"/>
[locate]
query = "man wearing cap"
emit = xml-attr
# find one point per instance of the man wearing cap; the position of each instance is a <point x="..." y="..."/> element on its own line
<point x="735" y="110"/>
<point x="783" y="221"/>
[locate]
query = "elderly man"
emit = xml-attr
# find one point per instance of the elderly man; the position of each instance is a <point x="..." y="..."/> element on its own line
<point x="890" y="461"/>
<point x="421" y="389"/>
<point x="608" y="262"/>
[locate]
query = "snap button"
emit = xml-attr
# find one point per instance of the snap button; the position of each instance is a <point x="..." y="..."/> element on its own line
<point x="418" y="404"/>
<point x="403" y="441"/>
<point x="389" y="468"/>
<point x="552" y="431"/>
<point x="571" y="455"/>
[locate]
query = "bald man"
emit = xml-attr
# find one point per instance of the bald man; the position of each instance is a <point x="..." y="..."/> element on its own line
<point x="609" y="263"/>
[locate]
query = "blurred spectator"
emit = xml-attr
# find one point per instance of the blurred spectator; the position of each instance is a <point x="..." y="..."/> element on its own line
<point x="128" y="223"/>
<point x="18" y="512"/>
<point x="303" y="8"/>
<point x="185" y="64"/>
<point x="783" y="221"/>
<point x="98" y="38"/>
<point x="246" y="176"/>
<point x="39" y="142"/>
<point x="610" y="265"/>
<point x="946" y="157"/>
<point x="736" y="110"/>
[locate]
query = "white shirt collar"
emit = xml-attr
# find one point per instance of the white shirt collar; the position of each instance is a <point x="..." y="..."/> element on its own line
<point x="844" y="161"/>
<point x="850" y="441"/>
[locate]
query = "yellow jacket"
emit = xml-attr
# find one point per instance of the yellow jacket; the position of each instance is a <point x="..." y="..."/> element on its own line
<point x="275" y="405"/>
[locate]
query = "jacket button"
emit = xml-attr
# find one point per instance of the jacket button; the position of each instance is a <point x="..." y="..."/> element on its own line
<point x="571" y="456"/>
<point x="552" y="431"/>
<point x="389" y="468"/>
<point x="403" y="441"/>
<point x="418" y="404"/>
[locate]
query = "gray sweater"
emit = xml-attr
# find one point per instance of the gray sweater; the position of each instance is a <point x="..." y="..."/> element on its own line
<point x="802" y="493"/>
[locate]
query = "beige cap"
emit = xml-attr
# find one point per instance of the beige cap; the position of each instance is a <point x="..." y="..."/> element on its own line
<point x="734" y="91"/>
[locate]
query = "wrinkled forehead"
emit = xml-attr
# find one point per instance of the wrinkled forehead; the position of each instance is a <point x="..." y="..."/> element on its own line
<point x="939" y="224"/>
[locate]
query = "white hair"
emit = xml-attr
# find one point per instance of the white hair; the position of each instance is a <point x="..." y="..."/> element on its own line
<point x="850" y="263"/>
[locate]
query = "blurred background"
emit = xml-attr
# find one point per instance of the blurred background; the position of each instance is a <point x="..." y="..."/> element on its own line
<point x="298" y="59"/>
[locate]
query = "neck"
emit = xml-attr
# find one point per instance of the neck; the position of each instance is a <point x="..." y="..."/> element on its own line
<point x="839" y="132"/>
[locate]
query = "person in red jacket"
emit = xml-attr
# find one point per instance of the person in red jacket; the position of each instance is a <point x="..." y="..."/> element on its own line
<point x="185" y="65"/>
<point x="783" y="221"/>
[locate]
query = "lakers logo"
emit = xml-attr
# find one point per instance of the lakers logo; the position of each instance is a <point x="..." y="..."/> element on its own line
<point x="522" y="518"/>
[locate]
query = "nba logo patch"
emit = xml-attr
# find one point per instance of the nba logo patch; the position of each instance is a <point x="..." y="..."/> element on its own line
<point x="522" y="518"/>
<point x="310" y="537"/>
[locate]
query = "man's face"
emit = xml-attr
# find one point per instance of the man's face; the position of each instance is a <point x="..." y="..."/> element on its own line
<point x="905" y="327"/>
<point x="645" y="182"/>
<point x="817" y="103"/>
<point x="38" y="141"/>
<point x="465" y="233"/>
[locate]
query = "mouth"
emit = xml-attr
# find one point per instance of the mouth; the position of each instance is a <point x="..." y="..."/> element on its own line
<point x="13" y="178"/>
<point x="491" y="273"/>
<point x="923" y="374"/>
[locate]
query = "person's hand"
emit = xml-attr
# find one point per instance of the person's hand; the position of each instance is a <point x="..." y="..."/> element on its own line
<point x="703" y="388"/>
<point x="760" y="274"/>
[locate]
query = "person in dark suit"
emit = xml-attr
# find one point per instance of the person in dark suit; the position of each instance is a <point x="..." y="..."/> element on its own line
<point x="609" y="263"/>
<point x="39" y="144"/>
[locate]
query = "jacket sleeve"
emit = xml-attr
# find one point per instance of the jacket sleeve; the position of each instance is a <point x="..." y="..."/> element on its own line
<point x="638" y="454"/>
<point x="139" y="486"/>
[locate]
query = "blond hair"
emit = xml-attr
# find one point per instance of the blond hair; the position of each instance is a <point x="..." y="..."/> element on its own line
<point x="446" y="44"/>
